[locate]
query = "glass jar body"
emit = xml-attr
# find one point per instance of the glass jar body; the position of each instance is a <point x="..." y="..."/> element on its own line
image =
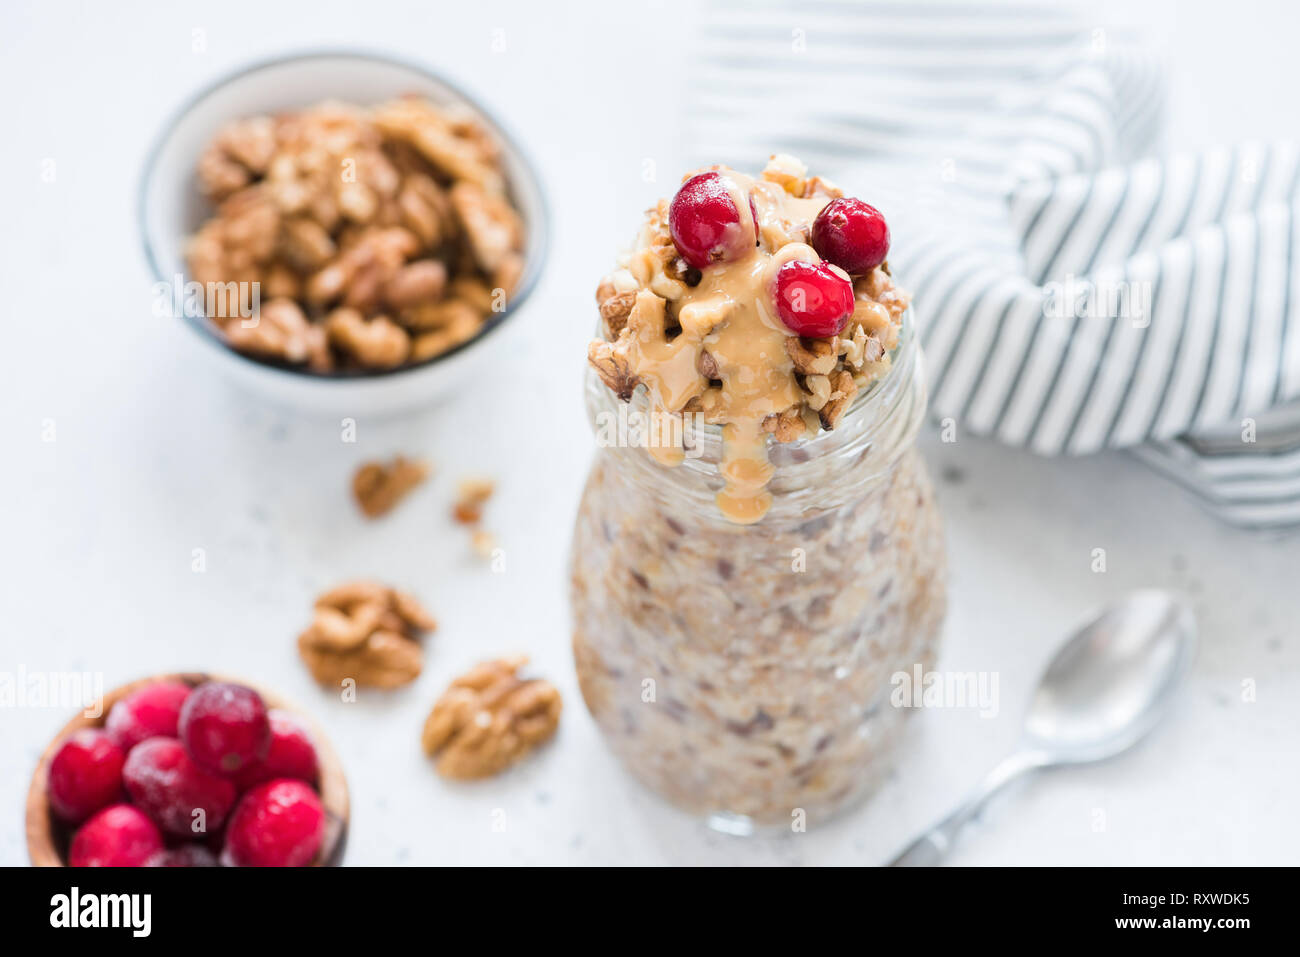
<point x="744" y="672"/>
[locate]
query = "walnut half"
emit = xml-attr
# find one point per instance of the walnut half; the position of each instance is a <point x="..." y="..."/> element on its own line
<point x="490" y="718"/>
<point x="366" y="632"/>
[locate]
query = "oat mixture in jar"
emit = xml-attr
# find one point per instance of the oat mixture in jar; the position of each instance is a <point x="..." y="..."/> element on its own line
<point x="757" y="550"/>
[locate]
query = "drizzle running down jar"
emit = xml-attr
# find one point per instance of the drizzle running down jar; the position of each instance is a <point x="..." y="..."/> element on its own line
<point x="747" y="577"/>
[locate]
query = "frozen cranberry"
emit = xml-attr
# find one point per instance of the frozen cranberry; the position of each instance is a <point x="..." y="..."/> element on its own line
<point x="118" y="836"/>
<point x="85" y="775"/>
<point x="852" y="235"/>
<point x="706" y="224"/>
<point x="813" y="299"/>
<point x="170" y="788"/>
<point x="187" y="855"/>
<point x="277" y="824"/>
<point x="291" y="755"/>
<point x="224" y="727"/>
<point x="151" y="712"/>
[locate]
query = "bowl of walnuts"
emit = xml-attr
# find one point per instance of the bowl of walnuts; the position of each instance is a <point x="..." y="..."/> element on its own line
<point x="343" y="232"/>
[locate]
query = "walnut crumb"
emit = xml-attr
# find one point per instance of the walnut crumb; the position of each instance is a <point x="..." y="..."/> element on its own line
<point x="366" y="632"/>
<point x="472" y="494"/>
<point x="484" y="542"/>
<point x="490" y="718"/>
<point x="378" y="486"/>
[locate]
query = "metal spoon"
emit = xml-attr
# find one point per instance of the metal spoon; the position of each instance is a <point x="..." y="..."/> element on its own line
<point x="1104" y="690"/>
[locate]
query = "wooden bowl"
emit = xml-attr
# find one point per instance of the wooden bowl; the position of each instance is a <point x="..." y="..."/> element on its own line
<point x="48" y="837"/>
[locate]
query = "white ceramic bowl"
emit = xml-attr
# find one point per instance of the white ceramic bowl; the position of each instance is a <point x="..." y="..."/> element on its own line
<point x="171" y="208"/>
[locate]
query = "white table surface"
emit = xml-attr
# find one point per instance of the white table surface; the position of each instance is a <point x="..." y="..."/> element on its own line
<point x="155" y="455"/>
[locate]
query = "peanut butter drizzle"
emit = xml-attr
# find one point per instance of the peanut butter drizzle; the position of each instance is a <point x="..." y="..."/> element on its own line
<point x="727" y="315"/>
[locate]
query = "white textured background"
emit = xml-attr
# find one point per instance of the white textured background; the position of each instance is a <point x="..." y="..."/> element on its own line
<point x="155" y="456"/>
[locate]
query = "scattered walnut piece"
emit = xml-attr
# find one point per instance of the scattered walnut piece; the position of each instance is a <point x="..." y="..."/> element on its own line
<point x="367" y="632"/>
<point x="489" y="718"/>
<point x="379" y="486"/>
<point x="471" y="495"/>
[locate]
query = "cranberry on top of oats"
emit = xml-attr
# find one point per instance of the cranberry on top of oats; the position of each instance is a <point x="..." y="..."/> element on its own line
<point x="706" y="223"/>
<point x="763" y="304"/>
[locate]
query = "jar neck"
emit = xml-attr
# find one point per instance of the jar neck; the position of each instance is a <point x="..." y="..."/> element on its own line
<point x="824" y="471"/>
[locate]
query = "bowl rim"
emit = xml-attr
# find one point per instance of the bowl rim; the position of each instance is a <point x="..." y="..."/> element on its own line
<point x="204" y="328"/>
<point x="42" y="846"/>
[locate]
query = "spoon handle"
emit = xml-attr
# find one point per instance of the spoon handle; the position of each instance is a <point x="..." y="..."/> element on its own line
<point x="932" y="846"/>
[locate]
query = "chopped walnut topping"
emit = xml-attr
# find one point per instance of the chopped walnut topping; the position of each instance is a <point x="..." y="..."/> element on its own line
<point x="615" y="310"/>
<point x="819" y="391"/>
<point x="707" y="366"/>
<point x="612" y="366"/>
<point x="387" y="212"/>
<point x="712" y="342"/>
<point x="785" y="426"/>
<point x="811" y="357"/>
<point x="843" y="389"/>
<point x="366" y="632"/>
<point x="379" y="486"/>
<point x="490" y="718"/>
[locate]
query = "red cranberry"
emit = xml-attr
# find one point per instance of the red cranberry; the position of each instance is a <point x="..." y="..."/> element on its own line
<point x="813" y="299"/>
<point x="225" y="727"/>
<point x="169" y="787"/>
<point x="151" y="712"/>
<point x="291" y="755"/>
<point x="852" y="235"/>
<point x="187" y="855"/>
<point x="705" y="223"/>
<point x="118" y="836"/>
<point x="85" y="775"/>
<point x="277" y="824"/>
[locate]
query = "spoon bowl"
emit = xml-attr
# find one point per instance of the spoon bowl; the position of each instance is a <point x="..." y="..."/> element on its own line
<point x="1106" y="687"/>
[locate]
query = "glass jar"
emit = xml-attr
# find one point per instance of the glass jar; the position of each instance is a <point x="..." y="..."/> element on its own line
<point x="744" y="671"/>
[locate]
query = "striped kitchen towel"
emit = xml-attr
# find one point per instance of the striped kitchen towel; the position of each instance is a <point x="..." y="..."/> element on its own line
<point x="1073" y="294"/>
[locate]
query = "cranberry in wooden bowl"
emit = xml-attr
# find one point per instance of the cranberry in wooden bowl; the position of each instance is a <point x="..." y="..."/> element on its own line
<point x="188" y="770"/>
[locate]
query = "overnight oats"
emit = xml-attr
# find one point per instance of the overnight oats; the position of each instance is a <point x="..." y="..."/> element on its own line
<point x="757" y="550"/>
